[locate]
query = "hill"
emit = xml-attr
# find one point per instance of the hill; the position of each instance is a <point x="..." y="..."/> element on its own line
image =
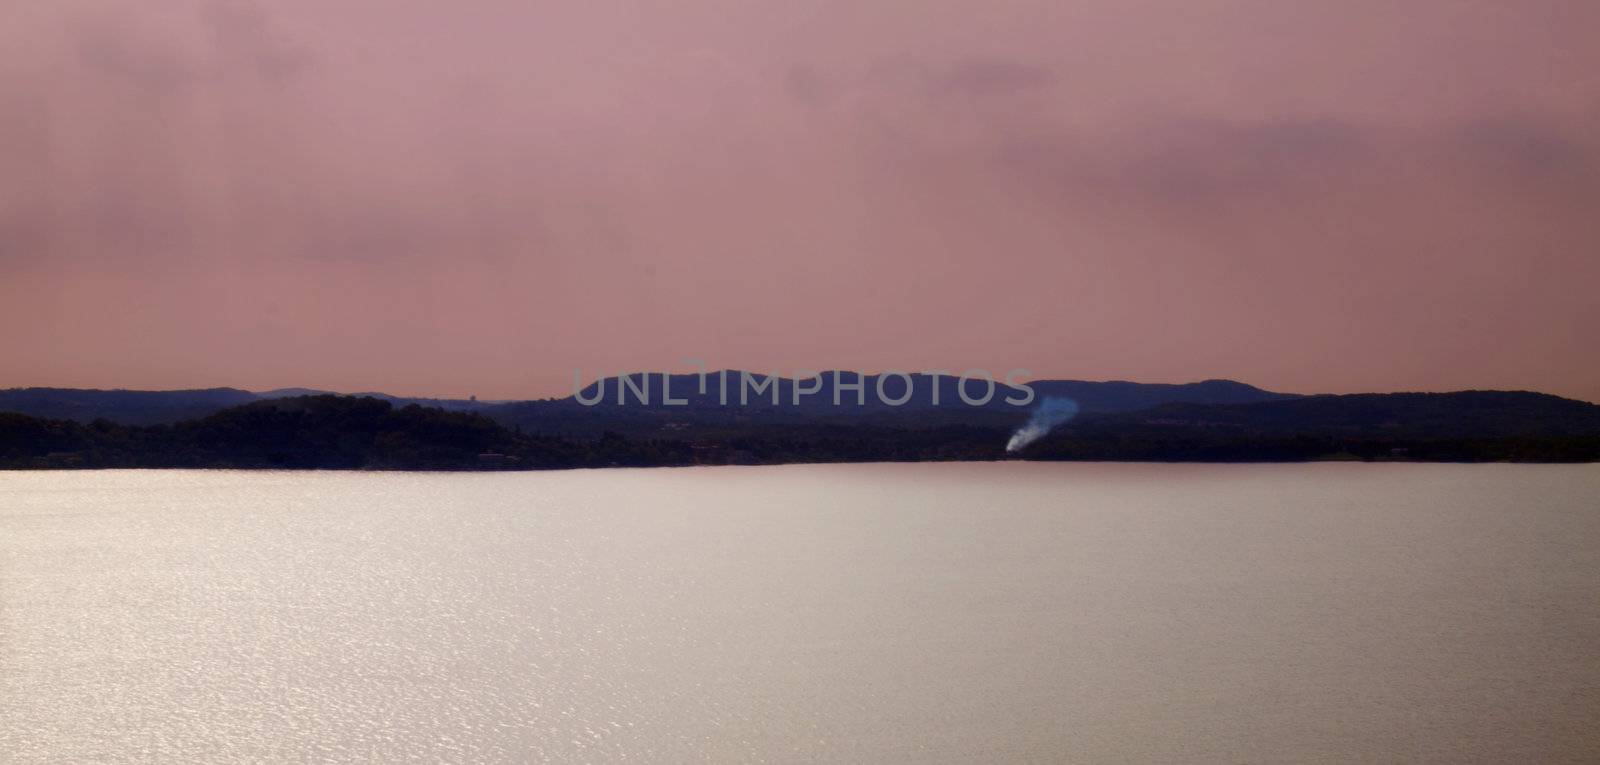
<point x="1460" y="426"/>
<point x="153" y="407"/>
<point x="741" y="404"/>
<point x="568" y="415"/>
<point x="342" y="432"/>
<point x="328" y="432"/>
<point x="130" y="407"/>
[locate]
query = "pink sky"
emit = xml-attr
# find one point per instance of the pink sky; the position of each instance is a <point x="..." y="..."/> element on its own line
<point x="479" y="198"/>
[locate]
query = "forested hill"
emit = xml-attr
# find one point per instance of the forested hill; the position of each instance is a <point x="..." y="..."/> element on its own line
<point x="1460" y="426"/>
<point x="342" y="432"/>
<point x="331" y="432"/>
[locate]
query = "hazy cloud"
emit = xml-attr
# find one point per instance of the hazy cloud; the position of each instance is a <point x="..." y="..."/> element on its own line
<point x="1337" y="195"/>
<point x="245" y="37"/>
<point x="1197" y="160"/>
<point x="1527" y="153"/>
<point x="993" y="77"/>
<point x="126" y="54"/>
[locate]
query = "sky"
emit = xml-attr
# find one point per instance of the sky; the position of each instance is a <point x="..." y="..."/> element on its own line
<point x="486" y="198"/>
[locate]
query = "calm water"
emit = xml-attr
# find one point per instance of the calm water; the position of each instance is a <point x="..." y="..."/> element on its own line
<point x="1093" y="613"/>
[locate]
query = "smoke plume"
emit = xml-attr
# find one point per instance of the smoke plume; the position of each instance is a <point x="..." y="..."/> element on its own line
<point x="1051" y="412"/>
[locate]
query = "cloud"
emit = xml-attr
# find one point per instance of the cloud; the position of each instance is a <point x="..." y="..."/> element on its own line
<point x="1191" y="163"/>
<point x="125" y="54"/>
<point x="1213" y="159"/>
<point x="902" y="76"/>
<point x="1526" y="153"/>
<point x="1199" y="165"/>
<point x="240" y="40"/>
<point x="22" y="237"/>
<point x="245" y="38"/>
<point x="804" y="84"/>
<point x="988" y="77"/>
<point x="1194" y="160"/>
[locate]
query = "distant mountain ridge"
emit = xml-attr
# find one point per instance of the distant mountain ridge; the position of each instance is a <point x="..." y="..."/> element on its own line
<point x="156" y="407"/>
<point x="732" y="402"/>
<point x="729" y="387"/>
<point x="129" y="407"/>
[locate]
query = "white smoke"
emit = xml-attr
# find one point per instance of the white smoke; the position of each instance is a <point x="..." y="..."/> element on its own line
<point x="1051" y="412"/>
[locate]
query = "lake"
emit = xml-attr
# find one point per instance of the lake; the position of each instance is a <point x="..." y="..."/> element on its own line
<point x="864" y="613"/>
